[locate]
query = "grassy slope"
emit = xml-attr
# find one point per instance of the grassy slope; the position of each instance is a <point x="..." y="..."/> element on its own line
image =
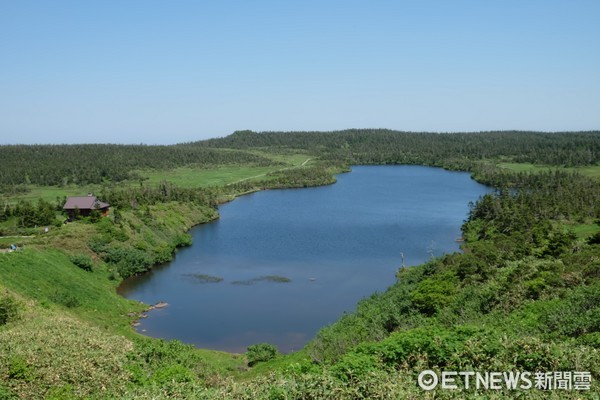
<point x="95" y="335"/>
<point x="71" y="316"/>
<point x="48" y="277"/>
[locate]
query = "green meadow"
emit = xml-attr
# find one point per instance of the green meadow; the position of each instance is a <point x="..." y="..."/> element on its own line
<point x="191" y="176"/>
<point x="592" y="171"/>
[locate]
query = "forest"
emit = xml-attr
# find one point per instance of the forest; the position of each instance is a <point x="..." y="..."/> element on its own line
<point x="97" y="163"/>
<point x="522" y="295"/>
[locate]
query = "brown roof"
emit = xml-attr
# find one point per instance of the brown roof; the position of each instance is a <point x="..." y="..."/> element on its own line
<point x="84" y="203"/>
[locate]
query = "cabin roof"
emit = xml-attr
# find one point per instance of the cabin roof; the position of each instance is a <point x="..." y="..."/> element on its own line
<point x="84" y="203"/>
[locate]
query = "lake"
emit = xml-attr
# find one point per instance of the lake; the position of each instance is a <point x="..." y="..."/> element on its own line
<point x="280" y="264"/>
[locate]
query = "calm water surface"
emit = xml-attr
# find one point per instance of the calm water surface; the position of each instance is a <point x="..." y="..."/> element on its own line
<point x="336" y="244"/>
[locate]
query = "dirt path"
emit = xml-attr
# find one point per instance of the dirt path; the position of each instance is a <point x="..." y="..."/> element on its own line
<point x="265" y="173"/>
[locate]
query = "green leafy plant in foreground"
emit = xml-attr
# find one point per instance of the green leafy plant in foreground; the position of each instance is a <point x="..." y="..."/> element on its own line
<point x="9" y="308"/>
<point x="261" y="352"/>
<point x="83" y="261"/>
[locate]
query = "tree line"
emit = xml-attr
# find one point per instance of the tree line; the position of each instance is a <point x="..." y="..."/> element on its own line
<point x="98" y="163"/>
<point x="27" y="214"/>
<point x="382" y="146"/>
<point x="51" y="165"/>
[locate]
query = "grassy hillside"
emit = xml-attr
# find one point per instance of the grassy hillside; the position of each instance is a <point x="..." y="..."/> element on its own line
<point x="71" y="334"/>
<point x="524" y="295"/>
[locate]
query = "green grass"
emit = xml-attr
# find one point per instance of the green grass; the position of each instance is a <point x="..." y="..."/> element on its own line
<point x="201" y="177"/>
<point x="283" y="362"/>
<point x="585" y="230"/>
<point x="17" y="240"/>
<point x="49" y="277"/>
<point x="74" y="338"/>
<point x="59" y="353"/>
<point x="188" y="177"/>
<point x="523" y="167"/>
<point x="591" y="171"/>
<point x="50" y="193"/>
<point x="294" y="158"/>
<point x="197" y="176"/>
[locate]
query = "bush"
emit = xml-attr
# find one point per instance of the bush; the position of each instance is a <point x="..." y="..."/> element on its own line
<point x="157" y="361"/>
<point x="129" y="261"/>
<point x="133" y="262"/>
<point x="7" y="394"/>
<point x="83" y="261"/>
<point x="182" y="240"/>
<point x="353" y="367"/>
<point x="163" y="254"/>
<point x="261" y="352"/>
<point x="172" y="373"/>
<point x="65" y="299"/>
<point x="432" y="294"/>
<point x="95" y="216"/>
<point x="20" y="370"/>
<point x="575" y="315"/>
<point x="594" y="239"/>
<point x="9" y="309"/>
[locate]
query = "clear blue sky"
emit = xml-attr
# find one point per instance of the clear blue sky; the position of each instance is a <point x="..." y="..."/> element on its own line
<point x="170" y="71"/>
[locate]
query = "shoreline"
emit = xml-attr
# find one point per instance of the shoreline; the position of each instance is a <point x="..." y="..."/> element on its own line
<point x="144" y="314"/>
<point x="224" y="200"/>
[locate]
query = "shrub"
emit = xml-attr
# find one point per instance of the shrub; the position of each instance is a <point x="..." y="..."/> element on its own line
<point x="594" y="239"/>
<point x="163" y="254"/>
<point x="183" y="239"/>
<point x="535" y="287"/>
<point x="590" y="339"/>
<point x="353" y="367"/>
<point x="9" y="309"/>
<point x="432" y="294"/>
<point x="577" y="314"/>
<point x="60" y="393"/>
<point x="20" y="370"/>
<point x="134" y="262"/>
<point x="95" y="216"/>
<point x="65" y="299"/>
<point x="172" y="373"/>
<point x="129" y="261"/>
<point x="261" y="352"/>
<point x="7" y="394"/>
<point x="83" y="261"/>
<point x="113" y="275"/>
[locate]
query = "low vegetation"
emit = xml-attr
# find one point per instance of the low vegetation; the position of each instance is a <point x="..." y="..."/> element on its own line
<point x="267" y="278"/>
<point x="524" y="294"/>
<point x="203" y="278"/>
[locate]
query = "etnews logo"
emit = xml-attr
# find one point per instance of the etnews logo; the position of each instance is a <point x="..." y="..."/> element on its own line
<point x="557" y="380"/>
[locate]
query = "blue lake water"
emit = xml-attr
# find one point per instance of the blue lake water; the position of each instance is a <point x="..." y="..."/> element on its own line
<point x="336" y="244"/>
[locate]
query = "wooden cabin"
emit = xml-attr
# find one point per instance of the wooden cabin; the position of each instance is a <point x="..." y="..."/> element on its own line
<point x="84" y="205"/>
